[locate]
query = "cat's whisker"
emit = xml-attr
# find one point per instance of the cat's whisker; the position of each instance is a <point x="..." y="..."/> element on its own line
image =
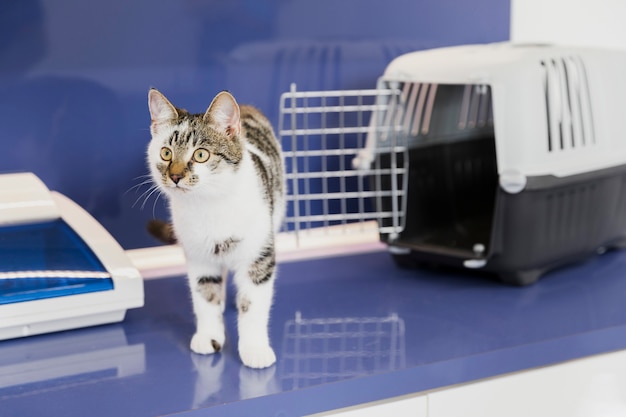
<point x="145" y="194"/>
<point x="159" y="194"/>
<point x="155" y="189"/>
<point x="136" y="187"/>
<point x="147" y="180"/>
<point x="142" y="176"/>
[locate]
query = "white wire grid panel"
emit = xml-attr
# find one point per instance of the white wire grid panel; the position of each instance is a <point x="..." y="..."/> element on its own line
<point x="321" y="350"/>
<point x="343" y="165"/>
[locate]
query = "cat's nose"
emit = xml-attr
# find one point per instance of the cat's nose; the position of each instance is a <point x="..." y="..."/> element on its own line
<point x="176" y="178"/>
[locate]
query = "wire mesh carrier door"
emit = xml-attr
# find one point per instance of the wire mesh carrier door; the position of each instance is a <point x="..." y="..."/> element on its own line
<point x="346" y="161"/>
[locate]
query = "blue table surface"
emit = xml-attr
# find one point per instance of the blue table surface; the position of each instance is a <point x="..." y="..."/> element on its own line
<point x="346" y="330"/>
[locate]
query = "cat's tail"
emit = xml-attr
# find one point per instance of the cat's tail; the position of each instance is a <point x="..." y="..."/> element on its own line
<point x="162" y="231"/>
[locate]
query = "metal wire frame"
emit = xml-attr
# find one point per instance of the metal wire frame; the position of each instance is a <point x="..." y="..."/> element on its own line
<point x="343" y="165"/>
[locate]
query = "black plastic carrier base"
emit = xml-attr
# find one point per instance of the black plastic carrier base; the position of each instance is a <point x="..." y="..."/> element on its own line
<point x="457" y="215"/>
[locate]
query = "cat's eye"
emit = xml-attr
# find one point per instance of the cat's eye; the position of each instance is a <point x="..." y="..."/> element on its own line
<point x="166" y="154"/>
<point x="201" y="155"/>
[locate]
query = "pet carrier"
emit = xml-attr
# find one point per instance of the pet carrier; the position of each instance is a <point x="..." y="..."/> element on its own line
<point x="512" y="158"/>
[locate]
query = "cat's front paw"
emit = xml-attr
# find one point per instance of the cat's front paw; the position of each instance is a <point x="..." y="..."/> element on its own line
<point x="256" y="356"/>
<point x="205" y="344"/>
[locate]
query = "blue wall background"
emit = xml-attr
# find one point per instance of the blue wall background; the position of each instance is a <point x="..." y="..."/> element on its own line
<point x="74" y="75"/>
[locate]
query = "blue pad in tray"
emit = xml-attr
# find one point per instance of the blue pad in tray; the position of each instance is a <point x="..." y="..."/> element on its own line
<point x="45" y="260"/>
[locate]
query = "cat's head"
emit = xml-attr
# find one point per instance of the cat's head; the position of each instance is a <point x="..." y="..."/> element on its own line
<point x="194" y="152"/>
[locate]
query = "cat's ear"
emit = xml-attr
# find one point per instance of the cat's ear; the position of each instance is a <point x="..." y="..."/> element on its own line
<point x="161" y="110"/>
<point x="224" y="112"/>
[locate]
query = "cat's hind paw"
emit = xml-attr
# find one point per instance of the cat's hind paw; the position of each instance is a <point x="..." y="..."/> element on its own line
<point x="257" y="356"/>
<point x="205" y="344"/>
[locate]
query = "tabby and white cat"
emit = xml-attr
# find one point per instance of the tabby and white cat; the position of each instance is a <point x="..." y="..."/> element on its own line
<point x="222" y="173"/>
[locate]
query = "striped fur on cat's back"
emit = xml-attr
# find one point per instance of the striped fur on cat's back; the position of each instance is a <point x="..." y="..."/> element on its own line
<point x="222" y="173"/>
<point x="265" y="154"/>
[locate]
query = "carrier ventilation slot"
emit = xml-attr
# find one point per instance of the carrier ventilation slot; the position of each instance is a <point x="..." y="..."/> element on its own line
<point x="419" y="99"/>
<point x="568" y="104"/>
<point x="476" y="110"/>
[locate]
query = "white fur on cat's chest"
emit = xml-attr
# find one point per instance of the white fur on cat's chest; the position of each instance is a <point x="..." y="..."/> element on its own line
<point x="203" y="222"/>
